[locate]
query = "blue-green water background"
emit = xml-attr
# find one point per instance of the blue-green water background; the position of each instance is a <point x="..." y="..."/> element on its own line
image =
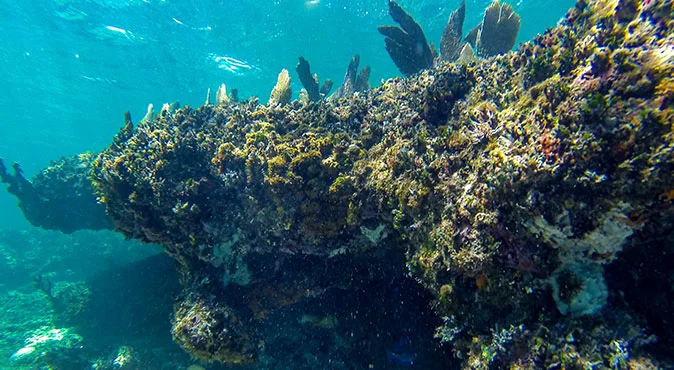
<point x="70" y="68"/>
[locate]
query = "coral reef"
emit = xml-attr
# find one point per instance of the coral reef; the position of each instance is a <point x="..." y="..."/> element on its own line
<point x="59" y="197"/>
<point x="109" y="314"/>
<point x="67" y="299"/>
<point x="221" y="97"/>
<point x="211" y="331"/>
<point x="506" y="187"/>
<point x="450" y="43"/>
<point x="21" y="313"/>
<point x="354" y="81"/>
<point x="579" y="289"/>
<point x="52" y="348"/>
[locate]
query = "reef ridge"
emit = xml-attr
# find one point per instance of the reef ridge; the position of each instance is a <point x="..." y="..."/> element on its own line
<point x="510" y="185"/>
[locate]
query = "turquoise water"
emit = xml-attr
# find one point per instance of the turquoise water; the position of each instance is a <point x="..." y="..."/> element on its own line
<point x="69" y="69"/>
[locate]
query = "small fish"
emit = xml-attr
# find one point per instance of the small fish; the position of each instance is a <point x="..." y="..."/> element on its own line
<point x="402" y="353"/>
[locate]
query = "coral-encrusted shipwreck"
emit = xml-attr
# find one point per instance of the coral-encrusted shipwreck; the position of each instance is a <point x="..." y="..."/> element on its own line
<point x="512" y="184"/>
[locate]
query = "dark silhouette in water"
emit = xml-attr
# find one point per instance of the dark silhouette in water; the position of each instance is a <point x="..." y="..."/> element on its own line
<point x="310" y="81"/>
<point x="58" y="199"/>
<point x="496" y="34"/>
<point x="406" y="44"/>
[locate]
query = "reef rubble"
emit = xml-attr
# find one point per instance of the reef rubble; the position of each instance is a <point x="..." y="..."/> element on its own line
<point x="510" y="185"/>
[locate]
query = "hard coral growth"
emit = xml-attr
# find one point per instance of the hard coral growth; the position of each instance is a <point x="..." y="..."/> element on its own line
<point x="450" y="44"/>
<point x="60" y="197"/>
<point x="281" y="94"/>
<point x="354" y="81"/>
<point x="221" y="97"/>
<point x="493" y="180"/>
<point x="211" y="331"/>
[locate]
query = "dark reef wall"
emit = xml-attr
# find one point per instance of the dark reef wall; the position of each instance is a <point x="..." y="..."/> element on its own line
<point x="60" y="197"/>
<point x="508" y="184"/>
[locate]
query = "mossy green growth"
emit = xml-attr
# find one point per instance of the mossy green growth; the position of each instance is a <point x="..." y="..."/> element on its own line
<point x="457" y="161"/>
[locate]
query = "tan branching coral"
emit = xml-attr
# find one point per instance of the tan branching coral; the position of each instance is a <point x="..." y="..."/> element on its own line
<point x="450" y="43"/>
<point x="498" y="31"/>
<point x="221" y="97"/>
<point x="282" y="92"/>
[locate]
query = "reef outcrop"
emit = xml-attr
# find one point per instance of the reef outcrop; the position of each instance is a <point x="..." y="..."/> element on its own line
<point x="60" y="197"/>
<point x="509" y="185"/>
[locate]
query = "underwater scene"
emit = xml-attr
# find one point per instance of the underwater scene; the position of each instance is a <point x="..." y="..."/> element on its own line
<point x="333" y="184"/>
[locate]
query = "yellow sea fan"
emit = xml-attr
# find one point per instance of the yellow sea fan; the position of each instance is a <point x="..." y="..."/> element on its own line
<point x="281" y="93"/>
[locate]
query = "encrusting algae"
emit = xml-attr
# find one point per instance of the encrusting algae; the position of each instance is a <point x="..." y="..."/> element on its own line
<point x="503" y="181"/>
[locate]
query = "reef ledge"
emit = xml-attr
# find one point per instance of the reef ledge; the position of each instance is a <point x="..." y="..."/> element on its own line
<point x="511" y="185"/>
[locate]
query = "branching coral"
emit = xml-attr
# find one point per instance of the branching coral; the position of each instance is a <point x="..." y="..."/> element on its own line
<point x="310" y="81"/>
<point x="450" y="44"/>
<point x="411" y="53"/>
<point x="354" y="81"/>
<point x="406" y="44"/>
<point x="281" y="93"/>
<point x="497" y="32"/>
